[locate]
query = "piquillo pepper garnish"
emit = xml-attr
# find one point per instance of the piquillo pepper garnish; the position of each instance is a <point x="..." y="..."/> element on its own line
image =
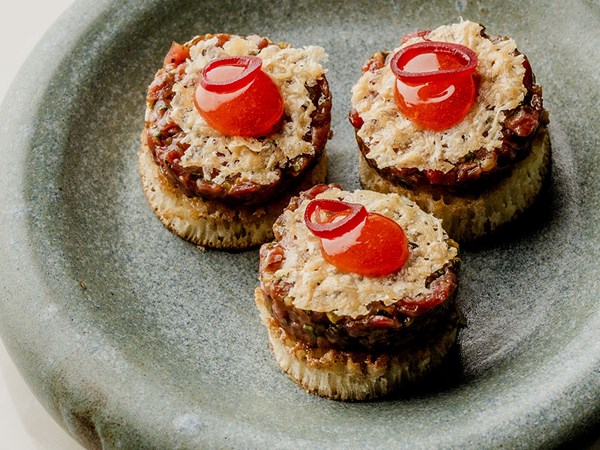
<point x="354" y="240"/>
<point x="237" y="98"/>
<point x="329" y="219"/>
<point x="435" y="85"/>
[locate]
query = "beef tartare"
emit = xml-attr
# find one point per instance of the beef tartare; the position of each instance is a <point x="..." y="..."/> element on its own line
<point x="465" y="138"/>
<point x="220" y="180"/>
<point x="340" y="326"/>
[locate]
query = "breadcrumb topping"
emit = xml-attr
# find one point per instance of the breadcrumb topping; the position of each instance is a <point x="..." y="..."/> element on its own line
<point x="256" y="160"/>
<point x="320" y="286"/>
<point x="394" y="141"/>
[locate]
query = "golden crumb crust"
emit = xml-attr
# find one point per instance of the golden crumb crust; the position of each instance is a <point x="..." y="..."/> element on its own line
<point x="295" y="71"/>
<point x="394" y="141"/>
<point x="353" y="376"/>
<point x="470" y="217"/>
<point x="210" y="223"/>
<point x="240" y="170"/>
<point x="320" y="287"/>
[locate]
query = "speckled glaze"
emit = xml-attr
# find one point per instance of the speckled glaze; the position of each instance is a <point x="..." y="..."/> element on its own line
<point x="133" y="338"/>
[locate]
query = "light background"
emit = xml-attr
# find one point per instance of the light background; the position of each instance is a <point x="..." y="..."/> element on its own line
<point x="24" y="424"/>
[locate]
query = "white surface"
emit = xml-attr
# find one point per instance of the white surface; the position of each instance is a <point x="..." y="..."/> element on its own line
<point x="24" y="424"/>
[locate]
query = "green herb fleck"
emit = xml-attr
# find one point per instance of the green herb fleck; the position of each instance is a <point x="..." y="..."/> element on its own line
<point x="310" y="329"/>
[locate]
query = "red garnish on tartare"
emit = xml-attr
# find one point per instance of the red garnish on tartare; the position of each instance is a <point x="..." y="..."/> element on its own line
<point x="354" y="240"/>
<point x="237" y="98"/>
<point x="435" y="87"/>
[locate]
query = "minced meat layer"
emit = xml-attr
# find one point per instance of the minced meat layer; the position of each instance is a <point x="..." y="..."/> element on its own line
<point x="166" y="139"/>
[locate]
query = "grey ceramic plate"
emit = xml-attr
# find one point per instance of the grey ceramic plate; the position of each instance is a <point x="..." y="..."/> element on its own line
<point x="132" y="337"/>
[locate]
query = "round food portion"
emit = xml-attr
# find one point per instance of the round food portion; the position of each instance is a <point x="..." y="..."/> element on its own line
<point x="202" y="162"/>
<point x="312" y="308"/>
<point x="470" y="156"/>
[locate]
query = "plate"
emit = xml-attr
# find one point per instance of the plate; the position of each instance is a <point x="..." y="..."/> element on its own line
<point x="132" y="337"/>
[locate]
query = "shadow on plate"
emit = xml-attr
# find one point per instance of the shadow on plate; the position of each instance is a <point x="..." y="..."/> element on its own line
<point x="540" y="216"/>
